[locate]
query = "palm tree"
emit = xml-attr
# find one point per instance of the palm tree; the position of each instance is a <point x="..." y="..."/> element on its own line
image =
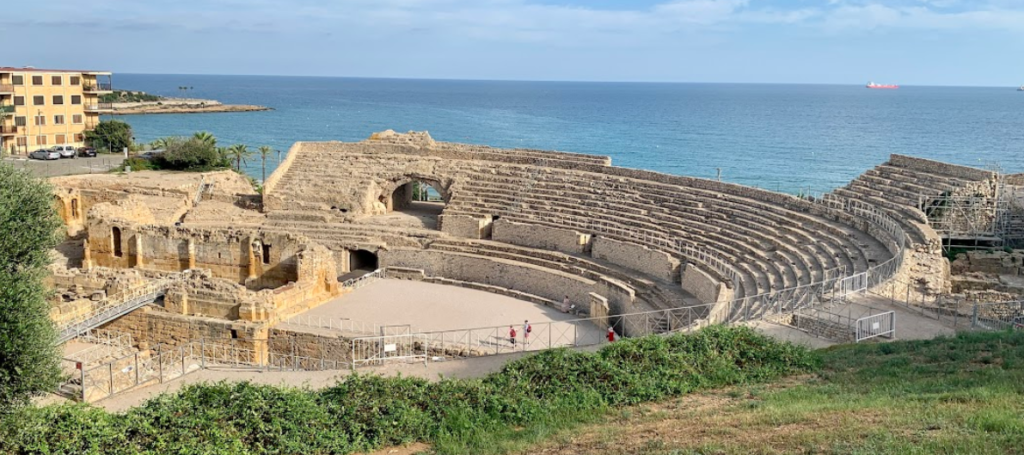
<point x="161" y="143"/>
<point x="264" y="152"/>
<point x="240" y="153"/>
<point x="206" y="137"/>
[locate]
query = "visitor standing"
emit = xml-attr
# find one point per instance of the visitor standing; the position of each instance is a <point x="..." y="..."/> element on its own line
<point x="611" y="334"/>
<point x="527" y="328"/>
<point x="565" y="304"/>
<point x="512" y="336"/>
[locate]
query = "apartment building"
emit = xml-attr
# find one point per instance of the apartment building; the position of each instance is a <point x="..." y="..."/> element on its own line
<point x="42" y="108"/>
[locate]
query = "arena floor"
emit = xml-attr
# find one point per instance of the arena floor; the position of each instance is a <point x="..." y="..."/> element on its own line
<point x="432" y="307"/>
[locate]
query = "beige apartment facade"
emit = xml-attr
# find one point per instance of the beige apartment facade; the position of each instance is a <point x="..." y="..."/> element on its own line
<point x="43" y="108"/>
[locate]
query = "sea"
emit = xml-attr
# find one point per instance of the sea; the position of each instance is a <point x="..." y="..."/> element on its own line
<point x="791" y="138"/>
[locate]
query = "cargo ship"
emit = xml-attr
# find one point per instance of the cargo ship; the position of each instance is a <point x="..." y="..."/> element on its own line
<point x="882" y="86"/>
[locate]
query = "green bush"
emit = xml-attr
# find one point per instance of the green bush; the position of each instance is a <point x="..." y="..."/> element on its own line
<point x="528" y="398"/>
<point x="190" y="155"/>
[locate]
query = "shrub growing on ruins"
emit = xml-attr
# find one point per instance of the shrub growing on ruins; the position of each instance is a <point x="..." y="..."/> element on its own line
<point x="29" y="228"/>
<point x="192" y="154"/>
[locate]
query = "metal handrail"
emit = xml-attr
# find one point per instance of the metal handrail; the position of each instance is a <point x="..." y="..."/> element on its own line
<point x="124" y="304"/>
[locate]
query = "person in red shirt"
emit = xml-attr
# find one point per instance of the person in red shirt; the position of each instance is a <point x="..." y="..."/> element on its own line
<point x="611" y="334"/>
<point x="512" y="336"/>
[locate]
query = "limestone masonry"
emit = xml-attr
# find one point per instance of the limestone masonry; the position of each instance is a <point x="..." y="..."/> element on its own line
<point x="535" y="224"/>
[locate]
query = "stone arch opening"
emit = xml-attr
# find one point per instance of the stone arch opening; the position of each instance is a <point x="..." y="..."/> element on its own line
<point x="115" y="239"/>
<point x="415" y="202"/>
<point x="362" y="260"/>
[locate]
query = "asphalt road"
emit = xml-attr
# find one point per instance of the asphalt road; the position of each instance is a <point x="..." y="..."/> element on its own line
<point x="67" y="166"/>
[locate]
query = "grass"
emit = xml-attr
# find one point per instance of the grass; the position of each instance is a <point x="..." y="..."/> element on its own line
<point x="719" y="391"/>
<point x="948" y="395"/>
<point x="528" y="401"/>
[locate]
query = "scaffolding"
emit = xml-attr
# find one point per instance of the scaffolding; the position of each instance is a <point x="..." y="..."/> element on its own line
<point x="978" y="221"/>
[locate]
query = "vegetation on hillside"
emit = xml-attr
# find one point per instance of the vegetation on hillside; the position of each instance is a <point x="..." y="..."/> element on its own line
<point x="963" y="394"/>
<point x="527" y="400"/>
<point x="128" y="96"/>
<point x="29" y="228"/>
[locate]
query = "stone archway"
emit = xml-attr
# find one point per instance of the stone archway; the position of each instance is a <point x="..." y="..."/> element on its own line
<point x="415" y="201"/>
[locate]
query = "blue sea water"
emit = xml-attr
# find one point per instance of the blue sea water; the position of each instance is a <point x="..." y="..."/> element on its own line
<point x="780" y="137"/>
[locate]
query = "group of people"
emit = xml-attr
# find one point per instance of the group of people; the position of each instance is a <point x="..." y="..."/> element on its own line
<point x="527" y="329"/>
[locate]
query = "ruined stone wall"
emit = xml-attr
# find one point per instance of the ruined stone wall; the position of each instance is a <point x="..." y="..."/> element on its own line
<point x="497" y="272"/>
<point x="149" y="327"/>
<point x="703" y="286"/>
<point x="543" y="237"/>
<point x="466" y="226"/>
<point x="937" y="167"/>
<point x="636" y="257"/>
<point x="333" y="349"/>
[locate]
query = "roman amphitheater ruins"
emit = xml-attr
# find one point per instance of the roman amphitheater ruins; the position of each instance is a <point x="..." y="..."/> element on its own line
<point x="166" y="273"/>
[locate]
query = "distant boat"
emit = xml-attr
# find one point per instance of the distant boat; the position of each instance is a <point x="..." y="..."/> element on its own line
<point x="1020" y="89"/>
<point x="882" y="86"/>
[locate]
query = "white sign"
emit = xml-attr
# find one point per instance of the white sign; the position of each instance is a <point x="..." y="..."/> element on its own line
<point x="874" y="326"/>
<point x="390" y="347"/>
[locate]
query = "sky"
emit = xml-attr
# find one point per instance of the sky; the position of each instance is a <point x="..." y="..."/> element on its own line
<point x="910" y="42"/>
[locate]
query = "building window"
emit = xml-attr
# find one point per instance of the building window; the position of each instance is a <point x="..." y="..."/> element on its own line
<point x="79" y="137"/>
<point x="19" y="121"/>
<point x="115" y="237"/>
<point x="58" y="119"/>
<point x="58" y="100"/>
<point x="37" y="80"/>
<point x="38" y="100"/>
<point x="74" y="208"/>
<point x="41" y="140"/>
<point x="59" y="139"/>
<point x="76" y="119"/>
<point x="56" y="80"/>
<point x="19" y="100"/>
<point x="23" y="142"/>
<point x="266" y="253"/>
<point x="40" y="120"/>
<point x="76" y="99"/>
<point x="18" y="80"/>
<point x="75" y="80"/>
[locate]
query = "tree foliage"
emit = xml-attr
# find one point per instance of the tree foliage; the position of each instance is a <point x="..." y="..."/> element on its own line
<point x="239" y="153"/>
<point x="115" y="135"/>
<point x="192" y="154"/>
<point x="29" y="228"/>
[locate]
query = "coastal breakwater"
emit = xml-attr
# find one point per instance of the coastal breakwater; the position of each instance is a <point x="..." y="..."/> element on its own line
<point x="182" y="106"/>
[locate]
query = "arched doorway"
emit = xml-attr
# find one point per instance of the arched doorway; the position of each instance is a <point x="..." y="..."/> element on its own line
<point x="362" y="260"/>
<point x="415" y="202"/>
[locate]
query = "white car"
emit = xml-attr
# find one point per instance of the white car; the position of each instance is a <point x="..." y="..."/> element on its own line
<point x="43" y="154"/>
<point x="65" y="151"/>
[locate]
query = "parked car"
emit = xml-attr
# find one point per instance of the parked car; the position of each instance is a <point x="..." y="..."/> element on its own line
<point x="43" y="154"/>
<point x="65" y="151"/>
<point x="150" y="154"/>
<point x="87" y="152"/>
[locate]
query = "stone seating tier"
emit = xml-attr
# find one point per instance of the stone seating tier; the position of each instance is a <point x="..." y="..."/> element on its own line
<point x="783" y="242"/>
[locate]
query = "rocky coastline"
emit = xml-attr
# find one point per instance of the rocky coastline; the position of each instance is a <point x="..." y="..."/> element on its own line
<point x="181" y="106"/>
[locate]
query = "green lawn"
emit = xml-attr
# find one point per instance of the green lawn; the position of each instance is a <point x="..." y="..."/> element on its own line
<point x="948" y="395"/>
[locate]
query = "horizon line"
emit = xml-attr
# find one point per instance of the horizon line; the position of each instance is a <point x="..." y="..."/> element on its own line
<point x="453" y="79"/>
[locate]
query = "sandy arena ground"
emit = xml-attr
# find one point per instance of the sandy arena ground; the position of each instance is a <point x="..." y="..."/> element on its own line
<point x="430" y="307"/>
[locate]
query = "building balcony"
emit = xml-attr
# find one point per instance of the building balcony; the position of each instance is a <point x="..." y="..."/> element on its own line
<point x="6" y="110"/>
<point x="8" y="130"/>
<point x="97" y="87"/>
<point x="99" y="108"/>
<point x="6" y="88"/>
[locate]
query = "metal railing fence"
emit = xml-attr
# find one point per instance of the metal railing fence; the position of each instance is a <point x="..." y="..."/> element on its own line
<point x="358" y="282"/>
